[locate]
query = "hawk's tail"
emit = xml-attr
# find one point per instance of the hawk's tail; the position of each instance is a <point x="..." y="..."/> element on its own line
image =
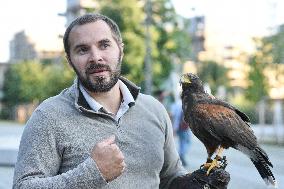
<point x="262" y="163"/>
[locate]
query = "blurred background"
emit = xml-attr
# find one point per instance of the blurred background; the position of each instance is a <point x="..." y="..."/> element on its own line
<point x="235" y="46"/>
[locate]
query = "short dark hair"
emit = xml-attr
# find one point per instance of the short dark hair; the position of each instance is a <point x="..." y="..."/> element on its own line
<point x="89" y="18"/>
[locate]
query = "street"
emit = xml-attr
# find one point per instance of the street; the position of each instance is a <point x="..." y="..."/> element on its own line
<point x="243" y="173"/>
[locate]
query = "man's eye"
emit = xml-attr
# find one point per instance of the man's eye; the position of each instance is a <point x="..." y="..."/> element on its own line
<point x="105" y="45"/>
<point x="82" y="50"/>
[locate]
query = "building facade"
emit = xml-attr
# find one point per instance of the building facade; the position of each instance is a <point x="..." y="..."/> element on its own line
<point x="21" y="48"/>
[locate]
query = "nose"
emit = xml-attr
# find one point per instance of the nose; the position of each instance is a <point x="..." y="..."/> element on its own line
<point x="95" y="55"/>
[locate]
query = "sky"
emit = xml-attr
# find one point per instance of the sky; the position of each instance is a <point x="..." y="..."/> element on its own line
<point x="38" y="18"/>
<point x="227" y="21"/>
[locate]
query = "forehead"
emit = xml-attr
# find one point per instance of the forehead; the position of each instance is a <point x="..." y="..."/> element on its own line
<point x="94" y="31"/>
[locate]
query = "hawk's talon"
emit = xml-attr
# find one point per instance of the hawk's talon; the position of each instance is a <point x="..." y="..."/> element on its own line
<point x="218" y="158"/>
<point x="219" y="162"/>
<point x="209" y="160"/>
<point x="223" y="163"/>
<point x="212" y="165"/>
<point x="207" y="164"/>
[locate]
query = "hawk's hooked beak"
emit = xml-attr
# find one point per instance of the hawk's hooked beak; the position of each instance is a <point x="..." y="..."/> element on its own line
<point x="184" y="79"/>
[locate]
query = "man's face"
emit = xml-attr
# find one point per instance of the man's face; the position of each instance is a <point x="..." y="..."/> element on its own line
<point x="95" y="56"/>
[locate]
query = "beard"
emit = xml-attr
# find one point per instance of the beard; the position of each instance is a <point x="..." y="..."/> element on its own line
<point x="99" y="83"/>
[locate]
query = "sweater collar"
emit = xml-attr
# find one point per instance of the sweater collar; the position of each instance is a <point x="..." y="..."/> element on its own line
<point x="80" y="101"/>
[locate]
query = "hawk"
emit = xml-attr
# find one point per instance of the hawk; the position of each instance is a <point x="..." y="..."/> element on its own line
<point x="219" y="125"/>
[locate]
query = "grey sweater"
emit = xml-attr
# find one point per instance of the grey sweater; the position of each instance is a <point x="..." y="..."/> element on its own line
<point x="57" y="141"/>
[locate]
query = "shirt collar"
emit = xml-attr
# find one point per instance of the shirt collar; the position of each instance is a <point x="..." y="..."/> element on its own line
<point x="90" y="100"/>
<point x="127" y="97"/>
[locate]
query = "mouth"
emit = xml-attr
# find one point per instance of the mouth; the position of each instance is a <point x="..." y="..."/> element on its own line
<point x="97" y="69"/>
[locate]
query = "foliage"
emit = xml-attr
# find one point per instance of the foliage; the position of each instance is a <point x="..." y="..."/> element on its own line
<point x="275" y="45"/>
<point x="270" y="50"/>
<point x="173" y="40"/>
<point x="58" y="77"/>
<point x="214" y="74"/>
<point x="33" y="82"/>
<point x="258" y="86"/>
<point x="130" y="17"/>
<point x="22" y="83"/>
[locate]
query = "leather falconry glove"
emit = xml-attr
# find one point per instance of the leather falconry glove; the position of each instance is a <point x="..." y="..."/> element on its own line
<point x="217" y="179"/>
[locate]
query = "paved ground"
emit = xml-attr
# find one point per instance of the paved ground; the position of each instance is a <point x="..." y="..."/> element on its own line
<point x="9" y="141"/>
<point x="10" y="134"/>
<point x="243" y="173"/>
<point x="6" y="177"/>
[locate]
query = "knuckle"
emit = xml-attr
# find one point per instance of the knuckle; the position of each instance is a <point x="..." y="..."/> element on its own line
<point x="118" y="161"/>
<point x="121" y="155"/>
<point x="114" y="147"/>
<point x="99" y="145"/>
<point x="123" y="164"/>
<point x="121" y="158"/>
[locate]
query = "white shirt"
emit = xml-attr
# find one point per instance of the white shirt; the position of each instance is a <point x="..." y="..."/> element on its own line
<point x="127" y="98"/>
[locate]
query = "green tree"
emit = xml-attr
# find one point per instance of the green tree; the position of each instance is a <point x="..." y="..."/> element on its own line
<point x="275" y="45"/>
<point x="258" y="85"/>
<point x="58" y="77"/>
<point x="168" y="38"/>
<point x="214" y="74"/>
<point x="23" y="83"/>
<point x="33" y="82"/>
<point x="11" y="86"/>
<point x="173" y="40"/>
<point x="129" y="16"/>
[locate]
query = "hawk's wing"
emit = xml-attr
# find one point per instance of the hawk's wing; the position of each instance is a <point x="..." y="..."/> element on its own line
<point x="225" y="104"/>
<point x="225" y="123"/>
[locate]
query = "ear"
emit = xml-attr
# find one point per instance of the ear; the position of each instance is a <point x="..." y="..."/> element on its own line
<point x="121" y="46"/>
<point x="68" y="59"/>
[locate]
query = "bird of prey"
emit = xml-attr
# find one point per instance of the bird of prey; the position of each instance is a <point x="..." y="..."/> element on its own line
<point x="219" y="125"/>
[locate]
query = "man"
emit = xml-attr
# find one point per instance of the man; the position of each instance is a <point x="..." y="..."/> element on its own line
<point x="101" y="132"/>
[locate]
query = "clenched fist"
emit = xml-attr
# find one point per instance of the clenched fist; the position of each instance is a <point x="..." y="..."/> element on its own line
<point x="109" y="158"/>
